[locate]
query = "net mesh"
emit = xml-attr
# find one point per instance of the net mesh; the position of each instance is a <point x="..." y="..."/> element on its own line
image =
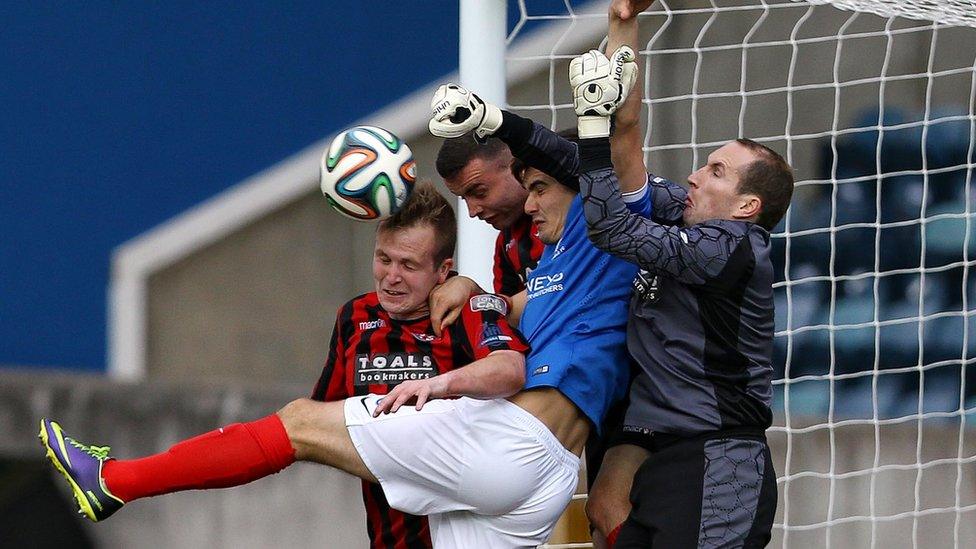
<point x="949" y="12"/>
<point x="872" y="103"/>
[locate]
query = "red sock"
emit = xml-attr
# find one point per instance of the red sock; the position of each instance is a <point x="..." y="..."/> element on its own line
<point x="231" y="456"/>
<point x="612" y="536"/>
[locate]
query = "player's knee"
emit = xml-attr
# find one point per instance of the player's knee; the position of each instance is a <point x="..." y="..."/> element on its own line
<point x="295" y="416"/>
<point x="313" y="427"/>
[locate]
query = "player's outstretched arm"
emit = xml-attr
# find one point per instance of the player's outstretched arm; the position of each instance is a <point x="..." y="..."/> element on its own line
<point x="694" y="255"/>
<point x="498" y="375"/>
<point x="627" y="141"/>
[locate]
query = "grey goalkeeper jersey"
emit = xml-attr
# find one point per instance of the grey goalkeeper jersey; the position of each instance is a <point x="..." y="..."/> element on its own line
<point x="701" y="317"/>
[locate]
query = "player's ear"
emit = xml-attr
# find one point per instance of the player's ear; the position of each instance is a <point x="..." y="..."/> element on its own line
<point x="747" y="206"/>
<point x="444" y="269"/>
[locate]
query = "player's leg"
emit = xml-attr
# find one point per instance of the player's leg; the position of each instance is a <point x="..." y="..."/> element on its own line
<point x="666" y="500"/>
<point x="233" y="455"/>
<point x="417" y="456"/>
<point x="608" y="502"/>
<point x="463" y="529"/>
<point x="229" y="456"/>
<point x="738" y="498"/>
<point x="719" y="491"/>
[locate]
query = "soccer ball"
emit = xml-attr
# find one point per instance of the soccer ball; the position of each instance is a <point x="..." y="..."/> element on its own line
<point x="367" y="173"/>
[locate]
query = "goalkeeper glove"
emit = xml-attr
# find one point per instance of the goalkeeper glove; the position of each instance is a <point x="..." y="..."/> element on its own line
<point x="454" y="111"/>
<point x="600" y="86"/>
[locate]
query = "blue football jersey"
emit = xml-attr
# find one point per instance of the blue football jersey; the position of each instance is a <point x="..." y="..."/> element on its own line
<point x="576" y="317"/>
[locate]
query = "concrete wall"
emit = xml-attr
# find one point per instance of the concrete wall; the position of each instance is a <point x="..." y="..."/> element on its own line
<point x="303" y="506"/>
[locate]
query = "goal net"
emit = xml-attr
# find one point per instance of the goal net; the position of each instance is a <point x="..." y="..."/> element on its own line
<point x="872" y="103"/>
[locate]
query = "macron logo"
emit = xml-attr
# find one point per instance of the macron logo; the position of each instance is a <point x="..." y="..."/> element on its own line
<point x="372" y="324"/>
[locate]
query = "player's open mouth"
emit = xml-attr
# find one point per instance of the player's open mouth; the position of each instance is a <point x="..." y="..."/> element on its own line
<point x="394" y="293"/>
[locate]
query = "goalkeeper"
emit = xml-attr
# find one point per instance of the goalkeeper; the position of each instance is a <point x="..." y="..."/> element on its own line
<point x="700" y="327"/>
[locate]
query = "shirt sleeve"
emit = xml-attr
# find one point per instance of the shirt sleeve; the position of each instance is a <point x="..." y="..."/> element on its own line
<point x="694" y="255"/>
<point x="541" y="148"/>
<point x="638" y="201"/>
<point x="332" y="382"/>
<point x="484" y="326"/>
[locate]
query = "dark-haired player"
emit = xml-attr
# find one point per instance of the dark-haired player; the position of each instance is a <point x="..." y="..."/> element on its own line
<point x="483" y="174"/>
<point x="381" y="339"/>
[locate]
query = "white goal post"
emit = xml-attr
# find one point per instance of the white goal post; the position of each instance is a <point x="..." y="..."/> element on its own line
<point x="872" y="103"/>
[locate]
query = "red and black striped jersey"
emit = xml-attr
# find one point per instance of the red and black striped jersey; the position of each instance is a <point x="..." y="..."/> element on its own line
<point x="517" y="251"/>
<point x="371" y="353"/>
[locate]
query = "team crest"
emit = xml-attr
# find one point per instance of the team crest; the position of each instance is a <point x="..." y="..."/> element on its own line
<point x="489" y="302"/>
<point x="647" y="287"/>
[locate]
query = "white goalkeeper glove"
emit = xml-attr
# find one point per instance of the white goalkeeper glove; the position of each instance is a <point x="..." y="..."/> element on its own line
<point x="600" y="86"/>
<point x="454" y="111"/>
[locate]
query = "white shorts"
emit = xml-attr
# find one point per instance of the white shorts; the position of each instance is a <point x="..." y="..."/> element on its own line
<point x="488" y="473"/>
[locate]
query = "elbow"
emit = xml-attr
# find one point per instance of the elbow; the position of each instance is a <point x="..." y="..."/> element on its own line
<point x="599" y="237"/>
<point x="608" y="226"/>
